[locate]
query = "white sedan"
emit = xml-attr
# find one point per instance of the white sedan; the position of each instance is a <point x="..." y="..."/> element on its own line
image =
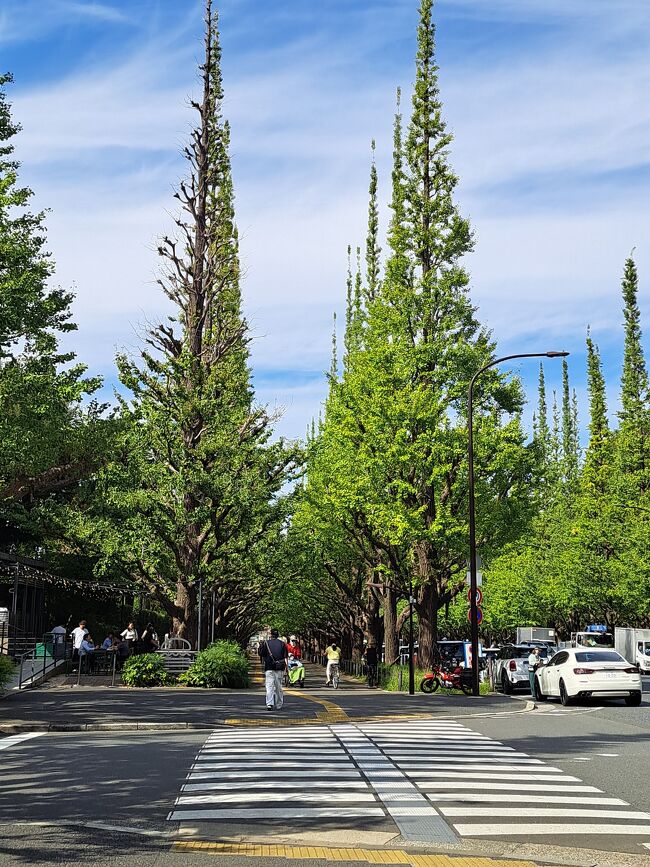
<point x="585" y="672"/>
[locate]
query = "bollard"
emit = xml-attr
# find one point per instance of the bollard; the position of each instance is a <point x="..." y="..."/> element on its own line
<point x="79" y="669"/>
<point x="114" y="660"/>
<point x="399" y="679"/>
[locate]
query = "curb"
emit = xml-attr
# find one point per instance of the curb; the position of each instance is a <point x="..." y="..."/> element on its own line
<point x="20" y="728"/>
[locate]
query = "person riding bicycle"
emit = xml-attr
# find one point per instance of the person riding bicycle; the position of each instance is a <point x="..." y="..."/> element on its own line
<point x="333" y="654"/>
<point x="371" y="664"/>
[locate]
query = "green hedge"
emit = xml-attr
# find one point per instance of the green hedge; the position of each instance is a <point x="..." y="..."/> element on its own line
<point x="7" y="669"/>
<point x="222" y="664"/>
<point x="146" y="669"/>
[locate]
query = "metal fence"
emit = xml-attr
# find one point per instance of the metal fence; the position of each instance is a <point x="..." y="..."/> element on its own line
<point x="48" y="654"/>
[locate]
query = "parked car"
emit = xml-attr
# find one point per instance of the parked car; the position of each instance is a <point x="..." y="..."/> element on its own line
<point x="584" y="673"/>
<point x="511" y="666"/>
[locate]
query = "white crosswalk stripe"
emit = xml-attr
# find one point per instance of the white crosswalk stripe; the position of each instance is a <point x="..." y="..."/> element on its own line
<point x="488" y="789"/>
<point x="429" y="777"/>
<point x="249" y="776"/>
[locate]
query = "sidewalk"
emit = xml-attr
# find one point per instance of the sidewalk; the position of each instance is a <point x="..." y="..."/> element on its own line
<point x="85" y="708"/>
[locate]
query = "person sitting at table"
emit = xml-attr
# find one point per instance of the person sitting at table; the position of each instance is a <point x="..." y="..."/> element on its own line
<point x="109" y="642"/>
<point x="87" y="652"/>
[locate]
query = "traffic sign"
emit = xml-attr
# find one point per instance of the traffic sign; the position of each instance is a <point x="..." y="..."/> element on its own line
<point x="479" y="595"/>
<point x="479" y="615"/>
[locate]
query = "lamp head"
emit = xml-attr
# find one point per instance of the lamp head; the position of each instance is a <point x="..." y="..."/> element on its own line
<point x="557" y="354"/>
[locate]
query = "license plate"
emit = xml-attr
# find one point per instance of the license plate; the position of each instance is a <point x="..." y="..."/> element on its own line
<point x="610" y="674"/>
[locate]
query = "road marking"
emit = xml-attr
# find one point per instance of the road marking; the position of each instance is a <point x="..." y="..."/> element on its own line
<point x="608" y="755"/>
<point x="485" y="760"/>
<point x="327" y="853"/>
<point x="276" y="784"/>
<point x="514" y="787"/>
<point x="477" y="775"/>
<point x="443" y="766"/>
<point x="541" y="812"/>
<point x="239" y="798"/>
<point x="494" y="829"/>
<point x="263" y="775"/>
<point x="518" y="799"/>
<point x="254" y="764"/>
<point x="13" y="740"/>
<point x="277" y="814"/>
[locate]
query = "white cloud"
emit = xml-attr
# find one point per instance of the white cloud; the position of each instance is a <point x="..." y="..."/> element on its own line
<point x="546" y="142"/>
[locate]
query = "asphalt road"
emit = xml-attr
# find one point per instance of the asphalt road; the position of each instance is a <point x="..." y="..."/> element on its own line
<point x="107" y="798"/>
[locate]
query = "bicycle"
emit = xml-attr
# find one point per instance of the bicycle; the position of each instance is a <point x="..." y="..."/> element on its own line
<point x="334" y="675"/>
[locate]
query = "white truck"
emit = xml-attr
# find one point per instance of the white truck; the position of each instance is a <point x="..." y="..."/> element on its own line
<point x="536" y="635"/>
<point x="634" y="645"/>
<point x="595" y="635"/>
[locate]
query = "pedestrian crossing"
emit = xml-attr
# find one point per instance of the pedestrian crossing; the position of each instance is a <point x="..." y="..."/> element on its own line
<point x="485" y="788"/>
<point x="436" y="780"/>
<point x="278" y="775"/>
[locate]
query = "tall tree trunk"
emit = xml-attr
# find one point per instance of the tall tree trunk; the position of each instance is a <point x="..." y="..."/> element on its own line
<point x="373" y="625"/>
<point x="427" y="608"/>
<point x="186" y="618"/>
<point x="391" y="650"/>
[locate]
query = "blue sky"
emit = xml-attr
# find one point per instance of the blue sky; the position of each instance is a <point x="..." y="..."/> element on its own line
<point x="547" y="100"/>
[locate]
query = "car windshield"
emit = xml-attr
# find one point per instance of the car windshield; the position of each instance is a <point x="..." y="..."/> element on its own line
<point x="524" y="652"/>
<point x="596" y="639"/>
<point x="599" y="656"/>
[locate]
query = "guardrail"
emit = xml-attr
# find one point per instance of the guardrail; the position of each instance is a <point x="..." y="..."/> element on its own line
<point x="44" y="658"/>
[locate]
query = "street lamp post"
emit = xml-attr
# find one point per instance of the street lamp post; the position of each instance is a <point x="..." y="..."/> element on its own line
<point x="473" y="606"/>
<point x="411" y="661"/>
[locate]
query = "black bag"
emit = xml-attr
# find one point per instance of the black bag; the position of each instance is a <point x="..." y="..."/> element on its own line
<point x="276" y="664"/>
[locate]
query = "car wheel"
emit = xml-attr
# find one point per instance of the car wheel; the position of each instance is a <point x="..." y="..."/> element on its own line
<point x="539" y="695"/>
<point x="564" y="696"/>
<point x="505" y="684"/>
<point x="633" y="700"/>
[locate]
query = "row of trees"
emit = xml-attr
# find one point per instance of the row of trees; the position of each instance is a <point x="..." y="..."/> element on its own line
<point x="383" y="512"/>
<point x="179" y="488"/>
<point x="585" y="556"/>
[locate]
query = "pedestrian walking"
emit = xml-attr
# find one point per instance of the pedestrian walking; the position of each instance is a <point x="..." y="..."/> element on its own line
<point x="533" y="664"/>
<point x="78" y="635"/>
<point x="273" y="654"/>
<point x="372" y="663"/>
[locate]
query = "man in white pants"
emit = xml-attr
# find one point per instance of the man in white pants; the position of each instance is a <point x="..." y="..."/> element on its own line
<point x="273" y="654"/>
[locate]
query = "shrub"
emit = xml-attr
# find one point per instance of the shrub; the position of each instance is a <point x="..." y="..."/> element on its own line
<point x="147" y="669"/>
<point x="222" y="664"/>
<point x="7" y="668"/>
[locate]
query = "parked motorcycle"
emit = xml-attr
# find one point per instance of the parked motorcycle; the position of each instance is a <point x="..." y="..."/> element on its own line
<point x="458" y="679"/>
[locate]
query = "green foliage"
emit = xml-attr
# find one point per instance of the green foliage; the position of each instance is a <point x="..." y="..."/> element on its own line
<point x="145" y="669"/>
<point x="7" y="669"/>
<point x="193" y="495"/>
<point x="51" y="437"/>
<point x="221" y="665"/>
<point x="386" y="495"/>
